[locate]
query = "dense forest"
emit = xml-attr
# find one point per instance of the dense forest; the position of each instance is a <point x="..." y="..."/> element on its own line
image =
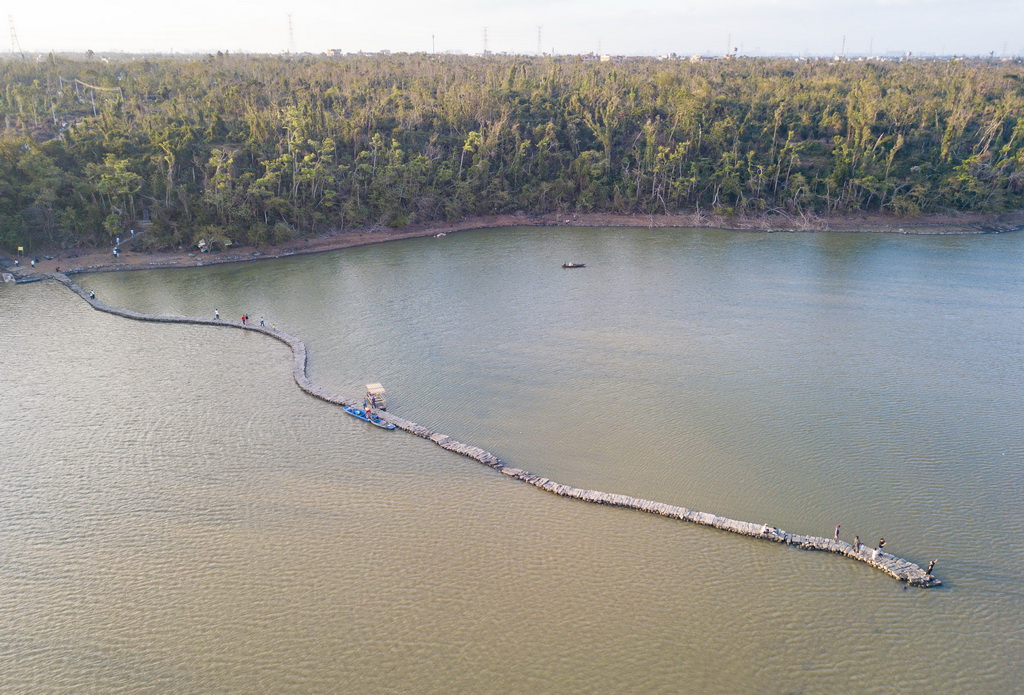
<point x="256" y="149"/>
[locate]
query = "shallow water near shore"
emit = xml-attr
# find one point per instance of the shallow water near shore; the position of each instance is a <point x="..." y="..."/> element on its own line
<point x="179" y="516"/>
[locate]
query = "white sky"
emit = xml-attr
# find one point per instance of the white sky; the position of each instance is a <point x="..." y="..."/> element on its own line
<point x="651" y="27"/>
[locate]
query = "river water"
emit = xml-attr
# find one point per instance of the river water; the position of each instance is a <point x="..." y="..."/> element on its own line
<point x="177" y="516"/>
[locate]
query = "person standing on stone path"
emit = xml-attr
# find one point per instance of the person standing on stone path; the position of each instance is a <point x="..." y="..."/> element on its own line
<point x="836" y="536"/>
<point x="216" y="315"/>
<point x="262" y="325"/>
<point x="931" y="565"/>
<point x="856" y="544"/>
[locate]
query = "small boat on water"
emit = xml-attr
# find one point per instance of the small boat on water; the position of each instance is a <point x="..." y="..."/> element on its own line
<point x="22" y="281"/>
<point x="372" y="418"/>
<point x="570" y="264"/>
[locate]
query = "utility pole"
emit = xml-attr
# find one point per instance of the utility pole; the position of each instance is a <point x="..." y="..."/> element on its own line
<point x="843" y="51"/>
<point x="15" y="44"/>
<point x="433" y="49"/>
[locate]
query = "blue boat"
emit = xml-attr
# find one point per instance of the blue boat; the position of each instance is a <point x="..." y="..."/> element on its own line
<point x="372" y="418"/>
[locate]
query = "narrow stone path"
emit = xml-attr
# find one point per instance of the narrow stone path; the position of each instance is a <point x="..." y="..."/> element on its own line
<point x="901" y="569"/>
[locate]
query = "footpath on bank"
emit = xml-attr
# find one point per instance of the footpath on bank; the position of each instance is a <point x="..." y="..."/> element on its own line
<point x="900" y="568"/>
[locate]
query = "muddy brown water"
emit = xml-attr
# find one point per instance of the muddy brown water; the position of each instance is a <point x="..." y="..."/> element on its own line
<point x="177" y="516"/>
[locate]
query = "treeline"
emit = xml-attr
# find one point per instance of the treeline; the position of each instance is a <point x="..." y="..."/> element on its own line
<point x="259" y="148"/>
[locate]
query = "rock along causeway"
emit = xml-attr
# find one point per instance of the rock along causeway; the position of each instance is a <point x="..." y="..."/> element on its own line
<point x="901" y="569"/>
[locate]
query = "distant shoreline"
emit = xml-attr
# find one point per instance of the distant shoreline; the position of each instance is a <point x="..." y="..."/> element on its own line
<point x="97" y="260"/>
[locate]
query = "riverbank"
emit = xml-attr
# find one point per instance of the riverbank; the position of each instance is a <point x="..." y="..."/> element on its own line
<point x="102" y="260"/>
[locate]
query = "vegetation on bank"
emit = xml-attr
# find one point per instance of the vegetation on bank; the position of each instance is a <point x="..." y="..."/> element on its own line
<point x="258" y="148"/>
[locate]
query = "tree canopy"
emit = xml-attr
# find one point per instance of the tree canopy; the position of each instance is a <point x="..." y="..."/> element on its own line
<point x="258" y="148"/>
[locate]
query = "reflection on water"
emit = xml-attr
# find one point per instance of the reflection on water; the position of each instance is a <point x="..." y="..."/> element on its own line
<point x="177" y="515"/>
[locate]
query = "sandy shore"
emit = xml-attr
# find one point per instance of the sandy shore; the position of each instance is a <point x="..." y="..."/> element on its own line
<point x="102" y="260"/>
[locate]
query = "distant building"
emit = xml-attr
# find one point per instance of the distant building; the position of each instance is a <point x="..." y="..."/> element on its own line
<point x="335" y="52"/>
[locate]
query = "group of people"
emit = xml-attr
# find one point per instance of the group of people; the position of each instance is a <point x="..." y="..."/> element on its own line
<point x="857" y="545"/>
<point x="32" y="261"/>
<point x="245" y="319"/>
<point x="875" y="552"/>
<point x="117" y="245"/>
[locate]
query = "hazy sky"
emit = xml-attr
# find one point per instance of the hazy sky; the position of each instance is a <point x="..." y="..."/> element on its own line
<point x="650" y="27"/>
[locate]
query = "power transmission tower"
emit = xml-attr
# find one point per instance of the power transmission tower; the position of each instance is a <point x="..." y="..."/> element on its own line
<point x="538" y="40"/>
<point x="485" y="40"/>
<point x="15" y="44"/>
<point x="291" y="35"/>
